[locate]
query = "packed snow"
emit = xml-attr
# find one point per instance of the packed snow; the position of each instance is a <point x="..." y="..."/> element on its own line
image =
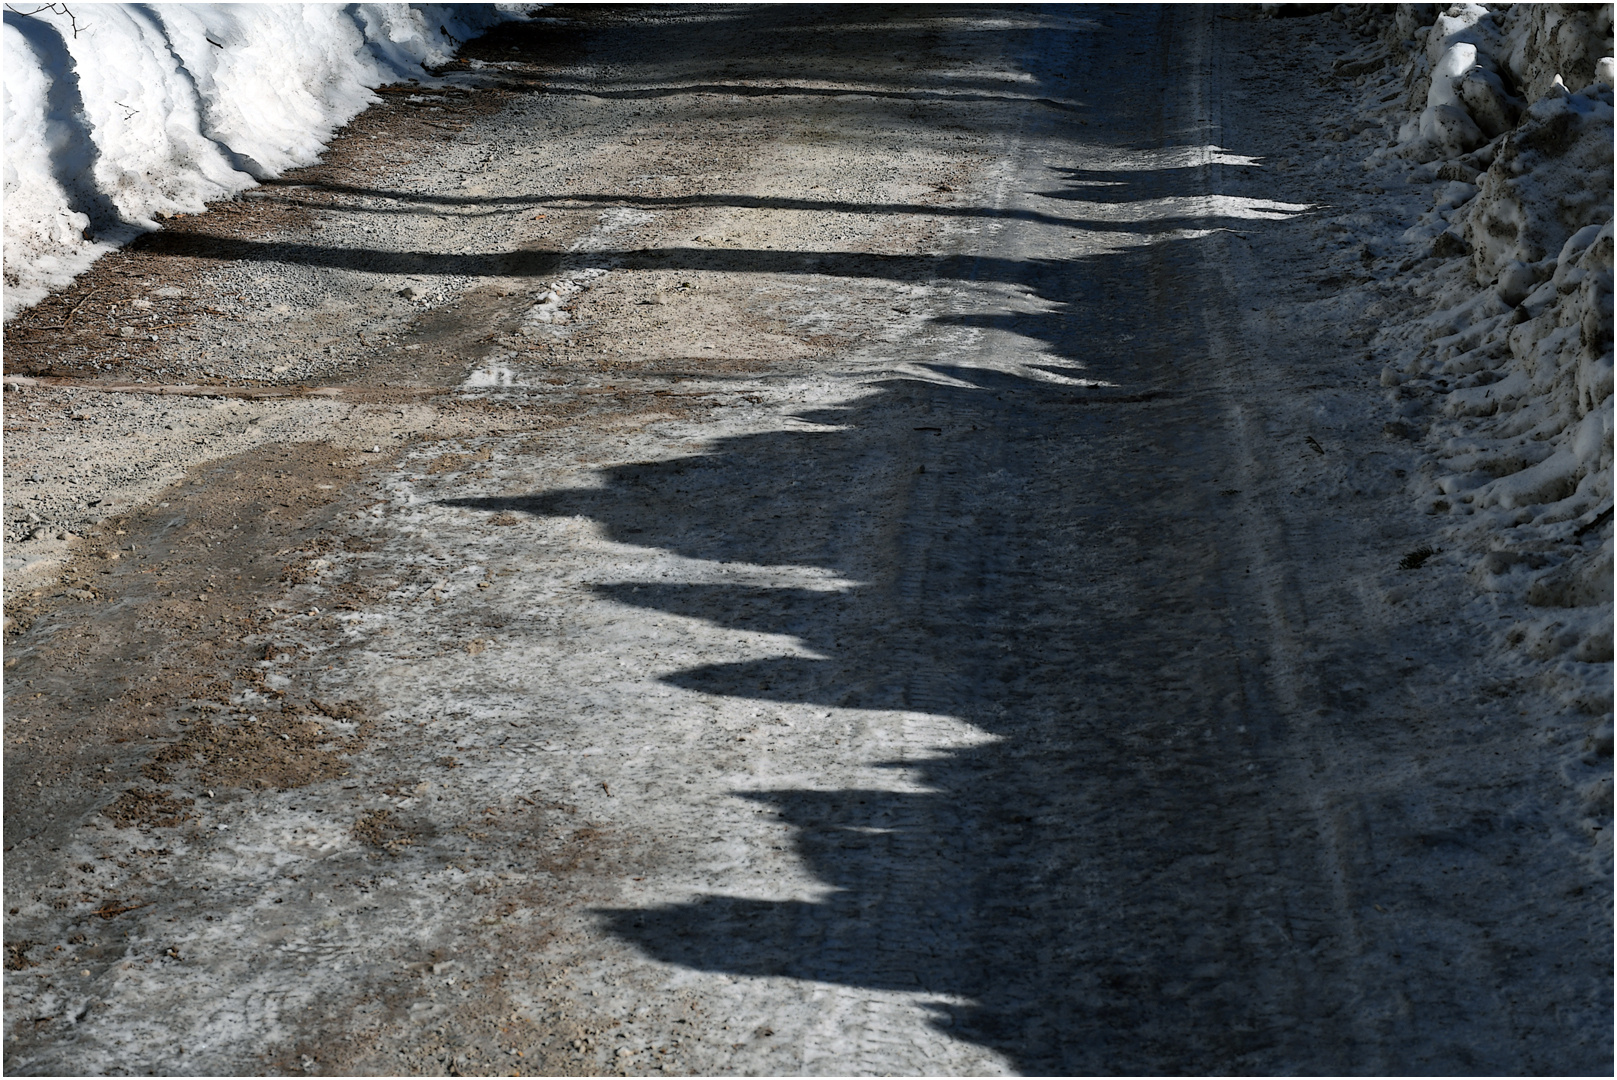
<point x="119" y="115"/>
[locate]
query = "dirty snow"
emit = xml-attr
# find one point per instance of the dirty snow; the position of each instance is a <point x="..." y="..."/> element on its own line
<point x="1497" y="357"/>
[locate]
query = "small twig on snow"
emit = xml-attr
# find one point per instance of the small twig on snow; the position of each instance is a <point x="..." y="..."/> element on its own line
<point x="54" y="9"/>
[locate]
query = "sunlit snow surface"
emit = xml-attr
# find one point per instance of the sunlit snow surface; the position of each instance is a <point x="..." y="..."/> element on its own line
<point x="1238" y="207"/>
<point x="1169" y="157"/>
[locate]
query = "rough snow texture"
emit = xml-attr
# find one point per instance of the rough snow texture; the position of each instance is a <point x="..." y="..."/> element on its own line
<point x="117" y="115"/>
<point x="1504" y="372"/>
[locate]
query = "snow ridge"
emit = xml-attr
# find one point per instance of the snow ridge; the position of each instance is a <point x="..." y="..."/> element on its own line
<point x="117" y="115"/>
<point x="1499" y="365"/>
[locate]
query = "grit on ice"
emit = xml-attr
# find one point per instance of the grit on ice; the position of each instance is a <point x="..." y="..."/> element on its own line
<point x="808" y="539"/>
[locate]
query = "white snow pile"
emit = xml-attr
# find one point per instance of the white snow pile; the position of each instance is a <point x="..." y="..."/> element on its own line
<point x="1500" y="365"/>
<point x="117" y="115"/>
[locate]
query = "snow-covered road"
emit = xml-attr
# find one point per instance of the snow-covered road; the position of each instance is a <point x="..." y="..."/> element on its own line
<point x="875" y="569"/>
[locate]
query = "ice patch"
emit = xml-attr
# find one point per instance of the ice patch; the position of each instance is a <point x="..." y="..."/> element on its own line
<point x="743" y="575"/>
<point x="1171" y="207"/>
<point x="622" y="217"/>
<point x="1173" y="157"/>
<point x="611" y="221"/>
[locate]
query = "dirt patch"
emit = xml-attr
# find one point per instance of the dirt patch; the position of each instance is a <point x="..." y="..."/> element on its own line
<point x="279" y="752"/>
<point x="17" y="955"/>
<point x="496" y="1036"/>
<point x="382" y="830"/>
<point x="163" y="613"/>
<point x="146" y="808"/>
<point x="457" y="462"/>
<point x="114" y="908"/>
<point x="310" y="562"/>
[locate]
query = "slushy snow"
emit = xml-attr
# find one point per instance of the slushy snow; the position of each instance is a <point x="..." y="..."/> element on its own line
<point x="117" y="115"/>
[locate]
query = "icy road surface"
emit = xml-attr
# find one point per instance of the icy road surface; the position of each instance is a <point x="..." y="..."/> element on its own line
<point x="853" y="556"/>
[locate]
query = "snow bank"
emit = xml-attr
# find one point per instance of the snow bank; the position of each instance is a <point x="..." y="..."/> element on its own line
<point x="1503" y="370"/>
<point x="119" y="114"/>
